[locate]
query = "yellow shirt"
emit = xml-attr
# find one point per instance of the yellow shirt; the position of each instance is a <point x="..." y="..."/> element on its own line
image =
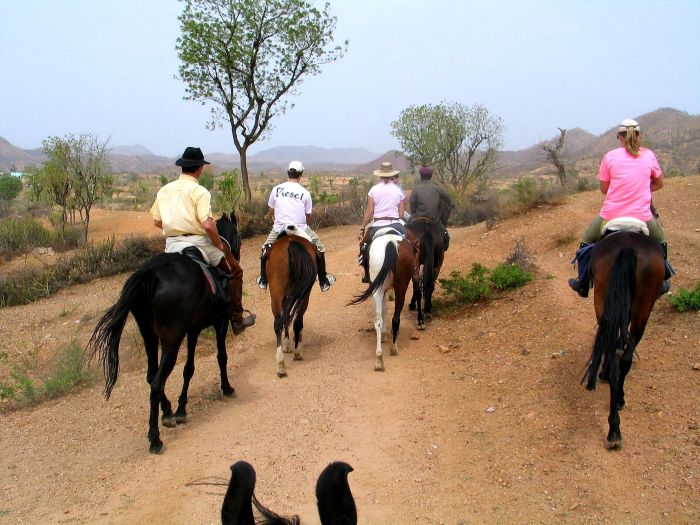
<point x="182" y="206"/>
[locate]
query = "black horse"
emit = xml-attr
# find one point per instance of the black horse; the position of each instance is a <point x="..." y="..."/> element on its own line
<point x="170" y="298"/>
<point x="628" y="270"/>
<point x="336" y="505"/>
<point x="430" y="236"/>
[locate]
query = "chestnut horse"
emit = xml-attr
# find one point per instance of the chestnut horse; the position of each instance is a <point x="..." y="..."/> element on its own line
<point x="291" y="269"/>
<point x="170" y="298"/>
<point x="393" y="259"/>
<point x="628" y="270"/>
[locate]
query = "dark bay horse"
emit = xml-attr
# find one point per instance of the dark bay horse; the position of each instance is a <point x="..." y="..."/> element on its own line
<point x="291" y="269"/>
<point x="431" y="239"/>
<point x="393" y="259"/>
<point x="628" y="270"/>
<point x="170" y="298"/>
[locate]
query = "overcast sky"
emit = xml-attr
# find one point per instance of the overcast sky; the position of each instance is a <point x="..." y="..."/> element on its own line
<point x="107" y="67"/>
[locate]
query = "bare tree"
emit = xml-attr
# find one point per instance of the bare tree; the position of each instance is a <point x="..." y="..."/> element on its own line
<point x="554" y="152"/>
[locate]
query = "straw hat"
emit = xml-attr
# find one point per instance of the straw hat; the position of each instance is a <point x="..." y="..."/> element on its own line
<point x="386" y="170"/>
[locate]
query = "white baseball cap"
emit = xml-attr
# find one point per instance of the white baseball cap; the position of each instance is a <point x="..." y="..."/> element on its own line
<point x="626" y="124"/>
<point x="296" y="165"/>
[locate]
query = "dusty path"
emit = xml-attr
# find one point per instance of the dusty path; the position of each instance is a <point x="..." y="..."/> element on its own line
<point x="424" y="447"/>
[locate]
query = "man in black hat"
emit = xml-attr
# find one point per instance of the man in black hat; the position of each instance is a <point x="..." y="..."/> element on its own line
<point x="430" y="201"/>
<point x="183" y="210"/>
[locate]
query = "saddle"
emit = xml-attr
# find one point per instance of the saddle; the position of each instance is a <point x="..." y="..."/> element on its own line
<point x="216" y="278"/>
<point x="293" y="229"/>
<point x="625" y="224"/>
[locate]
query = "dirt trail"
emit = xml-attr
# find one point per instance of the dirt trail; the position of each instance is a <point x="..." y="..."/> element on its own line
<point x="423" y="446"/>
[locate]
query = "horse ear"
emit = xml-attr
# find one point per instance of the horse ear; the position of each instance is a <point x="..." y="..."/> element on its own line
<point x="233" y="218"/>
<point x="224" y="217"/>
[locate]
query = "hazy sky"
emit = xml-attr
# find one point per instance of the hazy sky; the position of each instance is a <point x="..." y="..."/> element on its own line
<point x="107" y="67"/>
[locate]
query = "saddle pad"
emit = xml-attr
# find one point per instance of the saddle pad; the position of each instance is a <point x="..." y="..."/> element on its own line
<point x="178" y="246"/>
<point x="386" y="231"/>
<point x="293" y="229"/>
<point x="625" y="224"/>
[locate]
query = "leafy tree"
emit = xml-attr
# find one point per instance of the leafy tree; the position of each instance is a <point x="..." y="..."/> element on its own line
<point x="554" y="152"/>
<point x="163" y="180"/>
<point x="9" y="187"/>
<point x="76" y="174"/>
<point x="229" y="190"/>
<point x="460" y="142"/>
<point x="244" y="56"/>
<point x="206" y="179"/>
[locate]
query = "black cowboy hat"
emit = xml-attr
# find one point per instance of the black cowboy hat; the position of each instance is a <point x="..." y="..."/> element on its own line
<point x="191" y="158"/>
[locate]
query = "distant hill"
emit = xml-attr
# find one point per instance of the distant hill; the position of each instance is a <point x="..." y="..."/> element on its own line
<point x="673" y="135"/>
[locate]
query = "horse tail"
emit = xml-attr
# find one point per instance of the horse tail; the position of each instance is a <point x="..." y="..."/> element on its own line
<point x="391" y="257"/>
<point x="428" y="248"/>
<point x="105" y="339"/>
<point x="613" y="328"/>
<point x="301" y="278"/>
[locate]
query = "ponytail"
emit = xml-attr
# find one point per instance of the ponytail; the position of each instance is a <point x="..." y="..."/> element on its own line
<point x="632" y="143"/>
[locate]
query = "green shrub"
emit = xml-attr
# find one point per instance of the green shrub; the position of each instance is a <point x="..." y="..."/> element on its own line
<point x="9" y="187"/>
<point x="69" y="370"/>
<point x="22" y="235"/>
<point x="88" y="263"/>
<point x="467" y="288"/>
<point x="506" y="276"/>
<point x="684" y="300"/>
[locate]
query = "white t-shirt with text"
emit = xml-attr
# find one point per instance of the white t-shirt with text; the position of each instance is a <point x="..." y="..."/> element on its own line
<point x="291" y="203"/>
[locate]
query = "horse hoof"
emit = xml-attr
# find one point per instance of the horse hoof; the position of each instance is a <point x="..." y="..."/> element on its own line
<point x="298" y="357"/>
<point x="156" y="446"/>
<point x="421" y="326"/>
<point x="180" y="419"/>
<point x="394" y="350"/>
<point x="281" y="373"/>
<point x="614" y="444"/>
<point x="378" y="367"/>
<point x="228" y="392"/>
<point x="169" y="421"/>
<point x="428" y="317"/>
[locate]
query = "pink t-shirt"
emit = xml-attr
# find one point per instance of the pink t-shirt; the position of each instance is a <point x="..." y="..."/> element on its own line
<point x="386" y="198"/>
<point x="629" y="194"/>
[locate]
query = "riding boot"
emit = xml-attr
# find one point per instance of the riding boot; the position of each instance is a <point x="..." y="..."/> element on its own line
<point x="235" y="308"/>
<point x="668" y="270"/>
<point x="363" y="259"/>
<point x="325" y="280"/>
<point x="262" y="280"/>
<point x="581" y="284"/>
<point x="446" y="240"/>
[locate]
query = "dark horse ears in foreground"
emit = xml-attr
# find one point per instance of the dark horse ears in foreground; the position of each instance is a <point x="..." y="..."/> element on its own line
<point x="336" y="505"/>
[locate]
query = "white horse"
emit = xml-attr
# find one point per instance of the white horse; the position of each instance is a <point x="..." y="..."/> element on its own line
<point x="392" y="260"/>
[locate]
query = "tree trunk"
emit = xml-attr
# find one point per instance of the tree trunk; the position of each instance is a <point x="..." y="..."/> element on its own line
<point x="244" y="175"/>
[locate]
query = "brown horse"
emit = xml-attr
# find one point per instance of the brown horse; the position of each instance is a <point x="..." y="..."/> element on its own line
<point x="291" y="270"/>
<point x="430" y="236"/>
<point x="628" y="270"/>
<point x="393" y="259"/>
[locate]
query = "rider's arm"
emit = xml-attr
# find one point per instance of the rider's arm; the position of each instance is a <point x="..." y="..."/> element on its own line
<point x="369" y="213"/>
<point x="402" y="208"/>
<point x="604" y="185"/>
<point x="308" y="219"/>
<point x="657" y="183"/>
<point x="210" y="227"/>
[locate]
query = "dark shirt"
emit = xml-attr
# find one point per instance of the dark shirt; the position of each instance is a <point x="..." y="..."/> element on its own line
<point x="430" y="200"/>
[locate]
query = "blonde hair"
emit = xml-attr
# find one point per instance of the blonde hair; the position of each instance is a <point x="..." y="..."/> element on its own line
<point x="632" y="142"/>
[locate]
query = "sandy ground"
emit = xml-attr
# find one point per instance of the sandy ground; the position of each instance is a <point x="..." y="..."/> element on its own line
<point x="423" y="442"/>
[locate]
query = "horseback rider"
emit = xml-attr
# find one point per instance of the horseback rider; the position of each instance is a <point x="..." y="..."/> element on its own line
<point x="182" y="209"/>
<point x="386" y="204"/>
<point x="628" y="175"/>
<point x="292" y="204"/>
<point x="430" y="201"/>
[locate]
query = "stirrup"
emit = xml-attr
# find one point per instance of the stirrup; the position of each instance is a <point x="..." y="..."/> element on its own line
<point x="262" y="284"/>
<point x="576" y="287"/>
